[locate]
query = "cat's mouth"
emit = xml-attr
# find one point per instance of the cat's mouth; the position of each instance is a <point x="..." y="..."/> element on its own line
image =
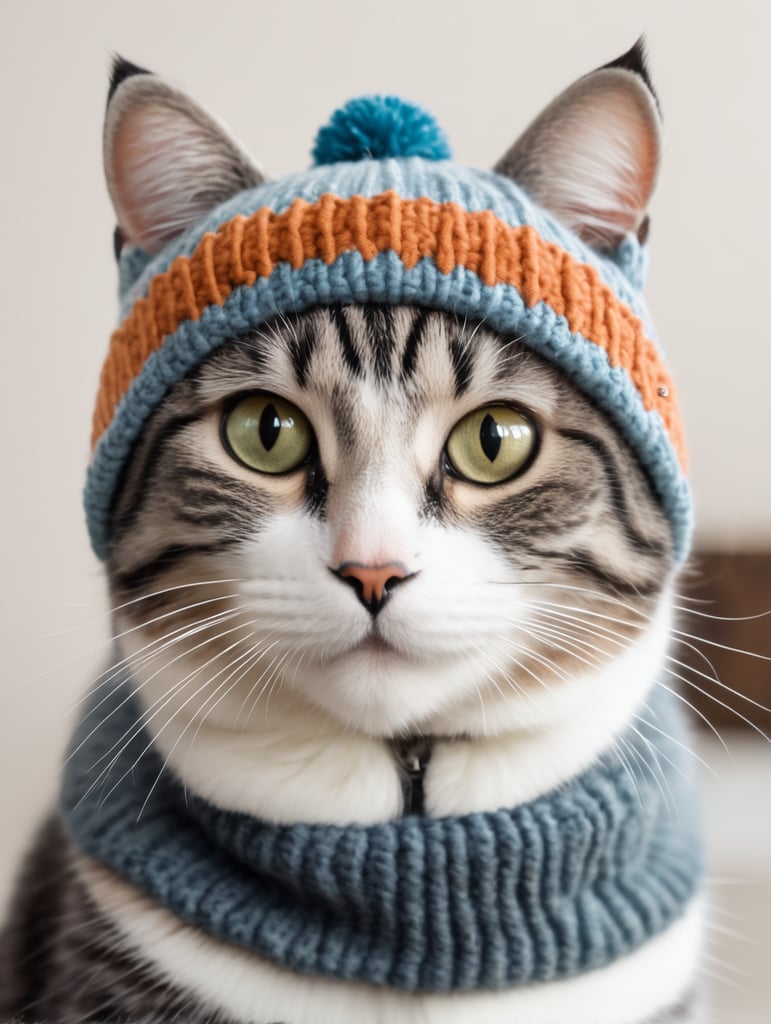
<point x="375" y="643"/>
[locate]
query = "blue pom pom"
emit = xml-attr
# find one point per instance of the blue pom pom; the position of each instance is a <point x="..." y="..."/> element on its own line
<point x="377" y="127"/>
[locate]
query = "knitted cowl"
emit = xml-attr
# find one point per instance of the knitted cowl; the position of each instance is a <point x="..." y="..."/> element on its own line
<point x="398" y="229"/>
<point x="563" y="884"/>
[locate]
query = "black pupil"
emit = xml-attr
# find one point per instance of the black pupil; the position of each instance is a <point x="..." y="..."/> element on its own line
<point x="489" y="438"/>
<point x="270" y="427"/>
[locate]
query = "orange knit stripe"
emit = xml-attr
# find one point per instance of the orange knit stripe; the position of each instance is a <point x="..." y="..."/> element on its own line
<point x="250" y="247"/>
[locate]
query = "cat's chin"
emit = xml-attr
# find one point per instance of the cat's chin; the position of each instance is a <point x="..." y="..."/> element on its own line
<point x="381" y="691"/>
<point x="374" y="645"/>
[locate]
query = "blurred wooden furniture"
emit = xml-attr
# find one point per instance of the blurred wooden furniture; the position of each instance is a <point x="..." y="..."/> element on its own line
<point x="726" y="600"/>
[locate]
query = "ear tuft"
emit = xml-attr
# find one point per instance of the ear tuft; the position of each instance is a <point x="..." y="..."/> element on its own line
<point x="121" y="70"/>
<point x="636" y="60"/>
<point x="591" y="157"/>
<point x="167" y="161"/>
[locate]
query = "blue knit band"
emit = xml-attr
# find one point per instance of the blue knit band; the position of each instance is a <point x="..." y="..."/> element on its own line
<point x="566" y="883"/>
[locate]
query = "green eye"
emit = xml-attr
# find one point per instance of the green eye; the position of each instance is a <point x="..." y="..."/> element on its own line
<point x="267" y="433"/>
<point x="492" y="444"/>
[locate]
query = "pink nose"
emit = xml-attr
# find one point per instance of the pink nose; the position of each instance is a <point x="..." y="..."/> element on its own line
<point x="373" y="583"/>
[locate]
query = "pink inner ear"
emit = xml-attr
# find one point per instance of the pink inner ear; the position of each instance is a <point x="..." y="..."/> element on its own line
<point x="610" y="157"/>
<point x="128" y="157"/>
<point x="591" y="158"/>
<point x="167" y="162"/>
<point x="153" y="173"/>
<point x="628" y="153"/>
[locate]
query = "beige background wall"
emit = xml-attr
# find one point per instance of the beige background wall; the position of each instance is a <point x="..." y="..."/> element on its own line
<point x="275" y="71"/>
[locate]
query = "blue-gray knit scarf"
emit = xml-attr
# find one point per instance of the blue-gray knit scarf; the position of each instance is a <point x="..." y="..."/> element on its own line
<point x="563" y="884"/>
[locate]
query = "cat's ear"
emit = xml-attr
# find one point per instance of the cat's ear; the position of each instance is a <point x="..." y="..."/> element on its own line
<point x="167" y="161"/>
<point x="592" y="157"/>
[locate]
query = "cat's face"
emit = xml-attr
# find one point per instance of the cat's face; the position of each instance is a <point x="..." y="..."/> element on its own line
<point x="393" y="516"/>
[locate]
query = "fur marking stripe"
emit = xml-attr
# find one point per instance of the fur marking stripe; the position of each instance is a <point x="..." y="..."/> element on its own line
<point x="302" y="347"/>
<point x="237" y="254"/>
<point x="616" y="490"/>
<point x="141" y="575"/>
<point x="350" y="355"/>
<point x="462" y="363"/>
<point x="415" y="337"/>
<point x="379" y="321"/>
<point x="167" y="432"/>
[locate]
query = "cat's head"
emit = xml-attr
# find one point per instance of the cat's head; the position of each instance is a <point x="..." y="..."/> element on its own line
<point x="386" y="442"/>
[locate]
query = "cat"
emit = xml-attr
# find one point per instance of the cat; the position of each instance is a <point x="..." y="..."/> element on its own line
<point x="386" y="479"/>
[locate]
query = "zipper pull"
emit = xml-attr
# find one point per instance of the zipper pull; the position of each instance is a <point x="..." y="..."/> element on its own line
<point x="412" y="755"/>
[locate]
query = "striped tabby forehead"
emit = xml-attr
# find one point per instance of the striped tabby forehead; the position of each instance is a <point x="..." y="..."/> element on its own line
<point x="375" y="379"/>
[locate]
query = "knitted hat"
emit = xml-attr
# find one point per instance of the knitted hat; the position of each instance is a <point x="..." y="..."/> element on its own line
<point x="385" y="216"/>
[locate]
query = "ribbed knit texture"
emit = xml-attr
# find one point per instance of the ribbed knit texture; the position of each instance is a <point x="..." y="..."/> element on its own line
<point x="391" y="230"/>
<point x="564" y="884"/>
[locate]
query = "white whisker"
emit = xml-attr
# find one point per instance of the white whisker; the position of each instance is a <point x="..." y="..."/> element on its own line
<point x="696" y="711"/>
